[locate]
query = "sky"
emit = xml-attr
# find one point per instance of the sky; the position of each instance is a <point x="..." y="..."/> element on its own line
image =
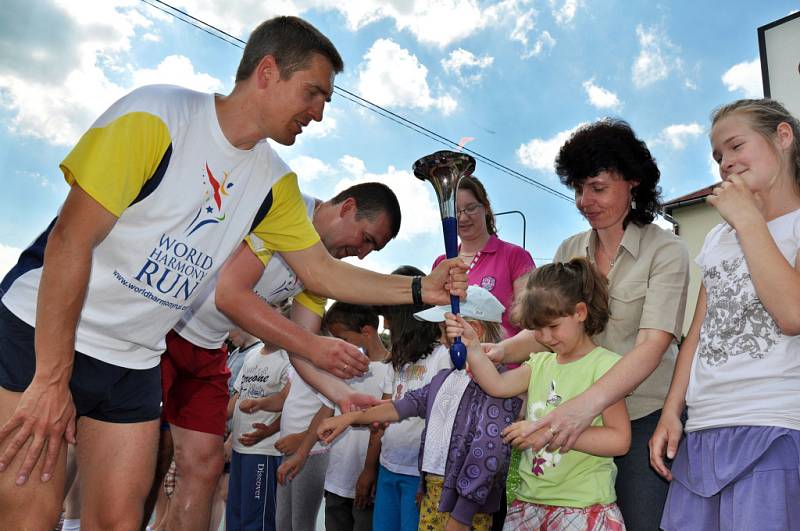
<point x="516" y="76"/>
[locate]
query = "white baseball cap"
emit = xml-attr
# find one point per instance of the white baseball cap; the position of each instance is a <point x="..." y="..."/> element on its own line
<point x="480" y="305"/>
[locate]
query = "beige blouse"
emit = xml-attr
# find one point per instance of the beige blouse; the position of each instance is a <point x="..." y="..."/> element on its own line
<point x="647" y="289"/>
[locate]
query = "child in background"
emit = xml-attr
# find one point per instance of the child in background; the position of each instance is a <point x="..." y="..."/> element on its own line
<point x="301" y="475"/>
<point x="738" y="370"/>
<point x="352" y="472"/>
<point x="254" y="459"/>
<point x="417" y="356"/>
<point x="462" y="456"/>
<point x="565" y="304"/>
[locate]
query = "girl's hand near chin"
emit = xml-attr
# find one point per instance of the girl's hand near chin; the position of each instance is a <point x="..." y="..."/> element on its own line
<point x="735" y="202"/>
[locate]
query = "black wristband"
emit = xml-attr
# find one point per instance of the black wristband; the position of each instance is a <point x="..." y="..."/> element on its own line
<point x="416" y="290"/>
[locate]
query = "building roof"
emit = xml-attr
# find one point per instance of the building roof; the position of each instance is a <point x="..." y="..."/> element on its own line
<point x="688" y="199"/>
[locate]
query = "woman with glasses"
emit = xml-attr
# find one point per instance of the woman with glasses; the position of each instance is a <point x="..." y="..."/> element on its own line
<point x="494" y="264"/>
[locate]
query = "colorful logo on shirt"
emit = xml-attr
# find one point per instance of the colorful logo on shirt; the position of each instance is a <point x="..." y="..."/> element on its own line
<point x="488" y="282"/>
<point x="211" y="211"/>
<point x="542" y="459"/>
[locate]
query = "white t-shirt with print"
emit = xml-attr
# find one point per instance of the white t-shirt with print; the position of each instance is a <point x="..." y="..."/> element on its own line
<point x="299" y="409"/>
<point x="401" y="440"/>
<point x="261" y="375"/>
<point x="349" y="451"/>
<point x="745" y="371"/>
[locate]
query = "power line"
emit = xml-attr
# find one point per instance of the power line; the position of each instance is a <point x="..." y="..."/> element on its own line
<point x="363" y="102"/>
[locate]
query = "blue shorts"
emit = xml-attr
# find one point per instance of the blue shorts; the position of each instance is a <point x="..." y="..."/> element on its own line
<point x="100" y="390"/>
<point x="252" y="489"/>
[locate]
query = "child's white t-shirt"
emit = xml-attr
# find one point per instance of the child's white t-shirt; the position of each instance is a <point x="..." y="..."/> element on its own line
<point x="745" y="372"/>
<point x="441" y="420"/>
<point x="401" y="440"/>
<point x="261" y="375"/>
<point x="348" y="452"/>
<point x="299" y="409"/>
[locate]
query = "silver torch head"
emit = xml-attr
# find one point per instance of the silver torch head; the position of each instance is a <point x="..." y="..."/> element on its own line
<point x="444" y="170"/>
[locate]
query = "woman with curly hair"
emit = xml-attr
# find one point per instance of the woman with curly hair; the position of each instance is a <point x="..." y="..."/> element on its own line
<point x="615" y="181"/>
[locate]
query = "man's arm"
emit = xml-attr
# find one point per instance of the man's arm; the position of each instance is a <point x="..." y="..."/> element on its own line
<point x="236" y="299"/>
<point x="45" y="410"/>
<point x="324" y="275"/>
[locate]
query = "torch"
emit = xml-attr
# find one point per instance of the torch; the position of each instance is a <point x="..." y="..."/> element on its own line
<point x="444" y="170"/>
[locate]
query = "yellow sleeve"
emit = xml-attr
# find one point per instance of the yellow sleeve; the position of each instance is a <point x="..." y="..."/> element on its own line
<point x="315" y="303"/>
<point x="112" y="163"/>
<point x="286" y="227"/>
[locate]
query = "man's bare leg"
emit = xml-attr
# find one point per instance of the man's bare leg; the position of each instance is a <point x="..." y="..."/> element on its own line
<point x="116" y="463"/>
<point x="199" y="458"/>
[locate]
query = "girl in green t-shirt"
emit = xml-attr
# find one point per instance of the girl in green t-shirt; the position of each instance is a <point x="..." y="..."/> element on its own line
<point x="565" y="304"/>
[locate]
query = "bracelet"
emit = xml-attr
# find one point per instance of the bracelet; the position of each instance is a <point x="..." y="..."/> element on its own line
<point x="416" y="290"/>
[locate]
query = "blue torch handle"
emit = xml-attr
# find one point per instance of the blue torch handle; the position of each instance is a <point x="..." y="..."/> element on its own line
<point x="458" y="351"/>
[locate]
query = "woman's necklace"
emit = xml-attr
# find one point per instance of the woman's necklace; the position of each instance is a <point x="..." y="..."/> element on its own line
<point x="611" y="260"/>
<point x="470" y="259"/>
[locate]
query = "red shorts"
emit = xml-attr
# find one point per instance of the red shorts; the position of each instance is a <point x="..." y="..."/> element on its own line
<point x="194" y="386"/>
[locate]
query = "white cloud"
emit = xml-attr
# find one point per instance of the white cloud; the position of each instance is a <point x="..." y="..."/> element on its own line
<point x="418" y="206"/>
<point x="436" y="22"/>
<point x="600" y="97"/>
<point x="676" y="136"/>
<point x="713" y="167"/>
<point x="320" y="129"/>
<point x="745" y="77"/>
<point x="176" y="70"/>
<point x="241" y="17"/>
<point x="151" y="37"/>
<point x="8" y="258"/>
<point x="566" y="12"/>
<point x="461" y="59"/>
<point x="309" y="169"/>
<point x="540" y="153"/>
<point x="656" y="57"/>
<point x="543" y="42"/>
<point x="55" y="83"/>
<point x="522" y="19"/>
<point x="392" y="76"/>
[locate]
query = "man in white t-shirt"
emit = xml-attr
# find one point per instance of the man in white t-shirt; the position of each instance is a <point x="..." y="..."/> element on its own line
<point x="152" y="213"/>
<point x="358" y="220"/>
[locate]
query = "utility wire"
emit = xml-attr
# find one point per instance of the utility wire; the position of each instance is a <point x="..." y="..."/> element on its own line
<point x="362" y="102"/>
